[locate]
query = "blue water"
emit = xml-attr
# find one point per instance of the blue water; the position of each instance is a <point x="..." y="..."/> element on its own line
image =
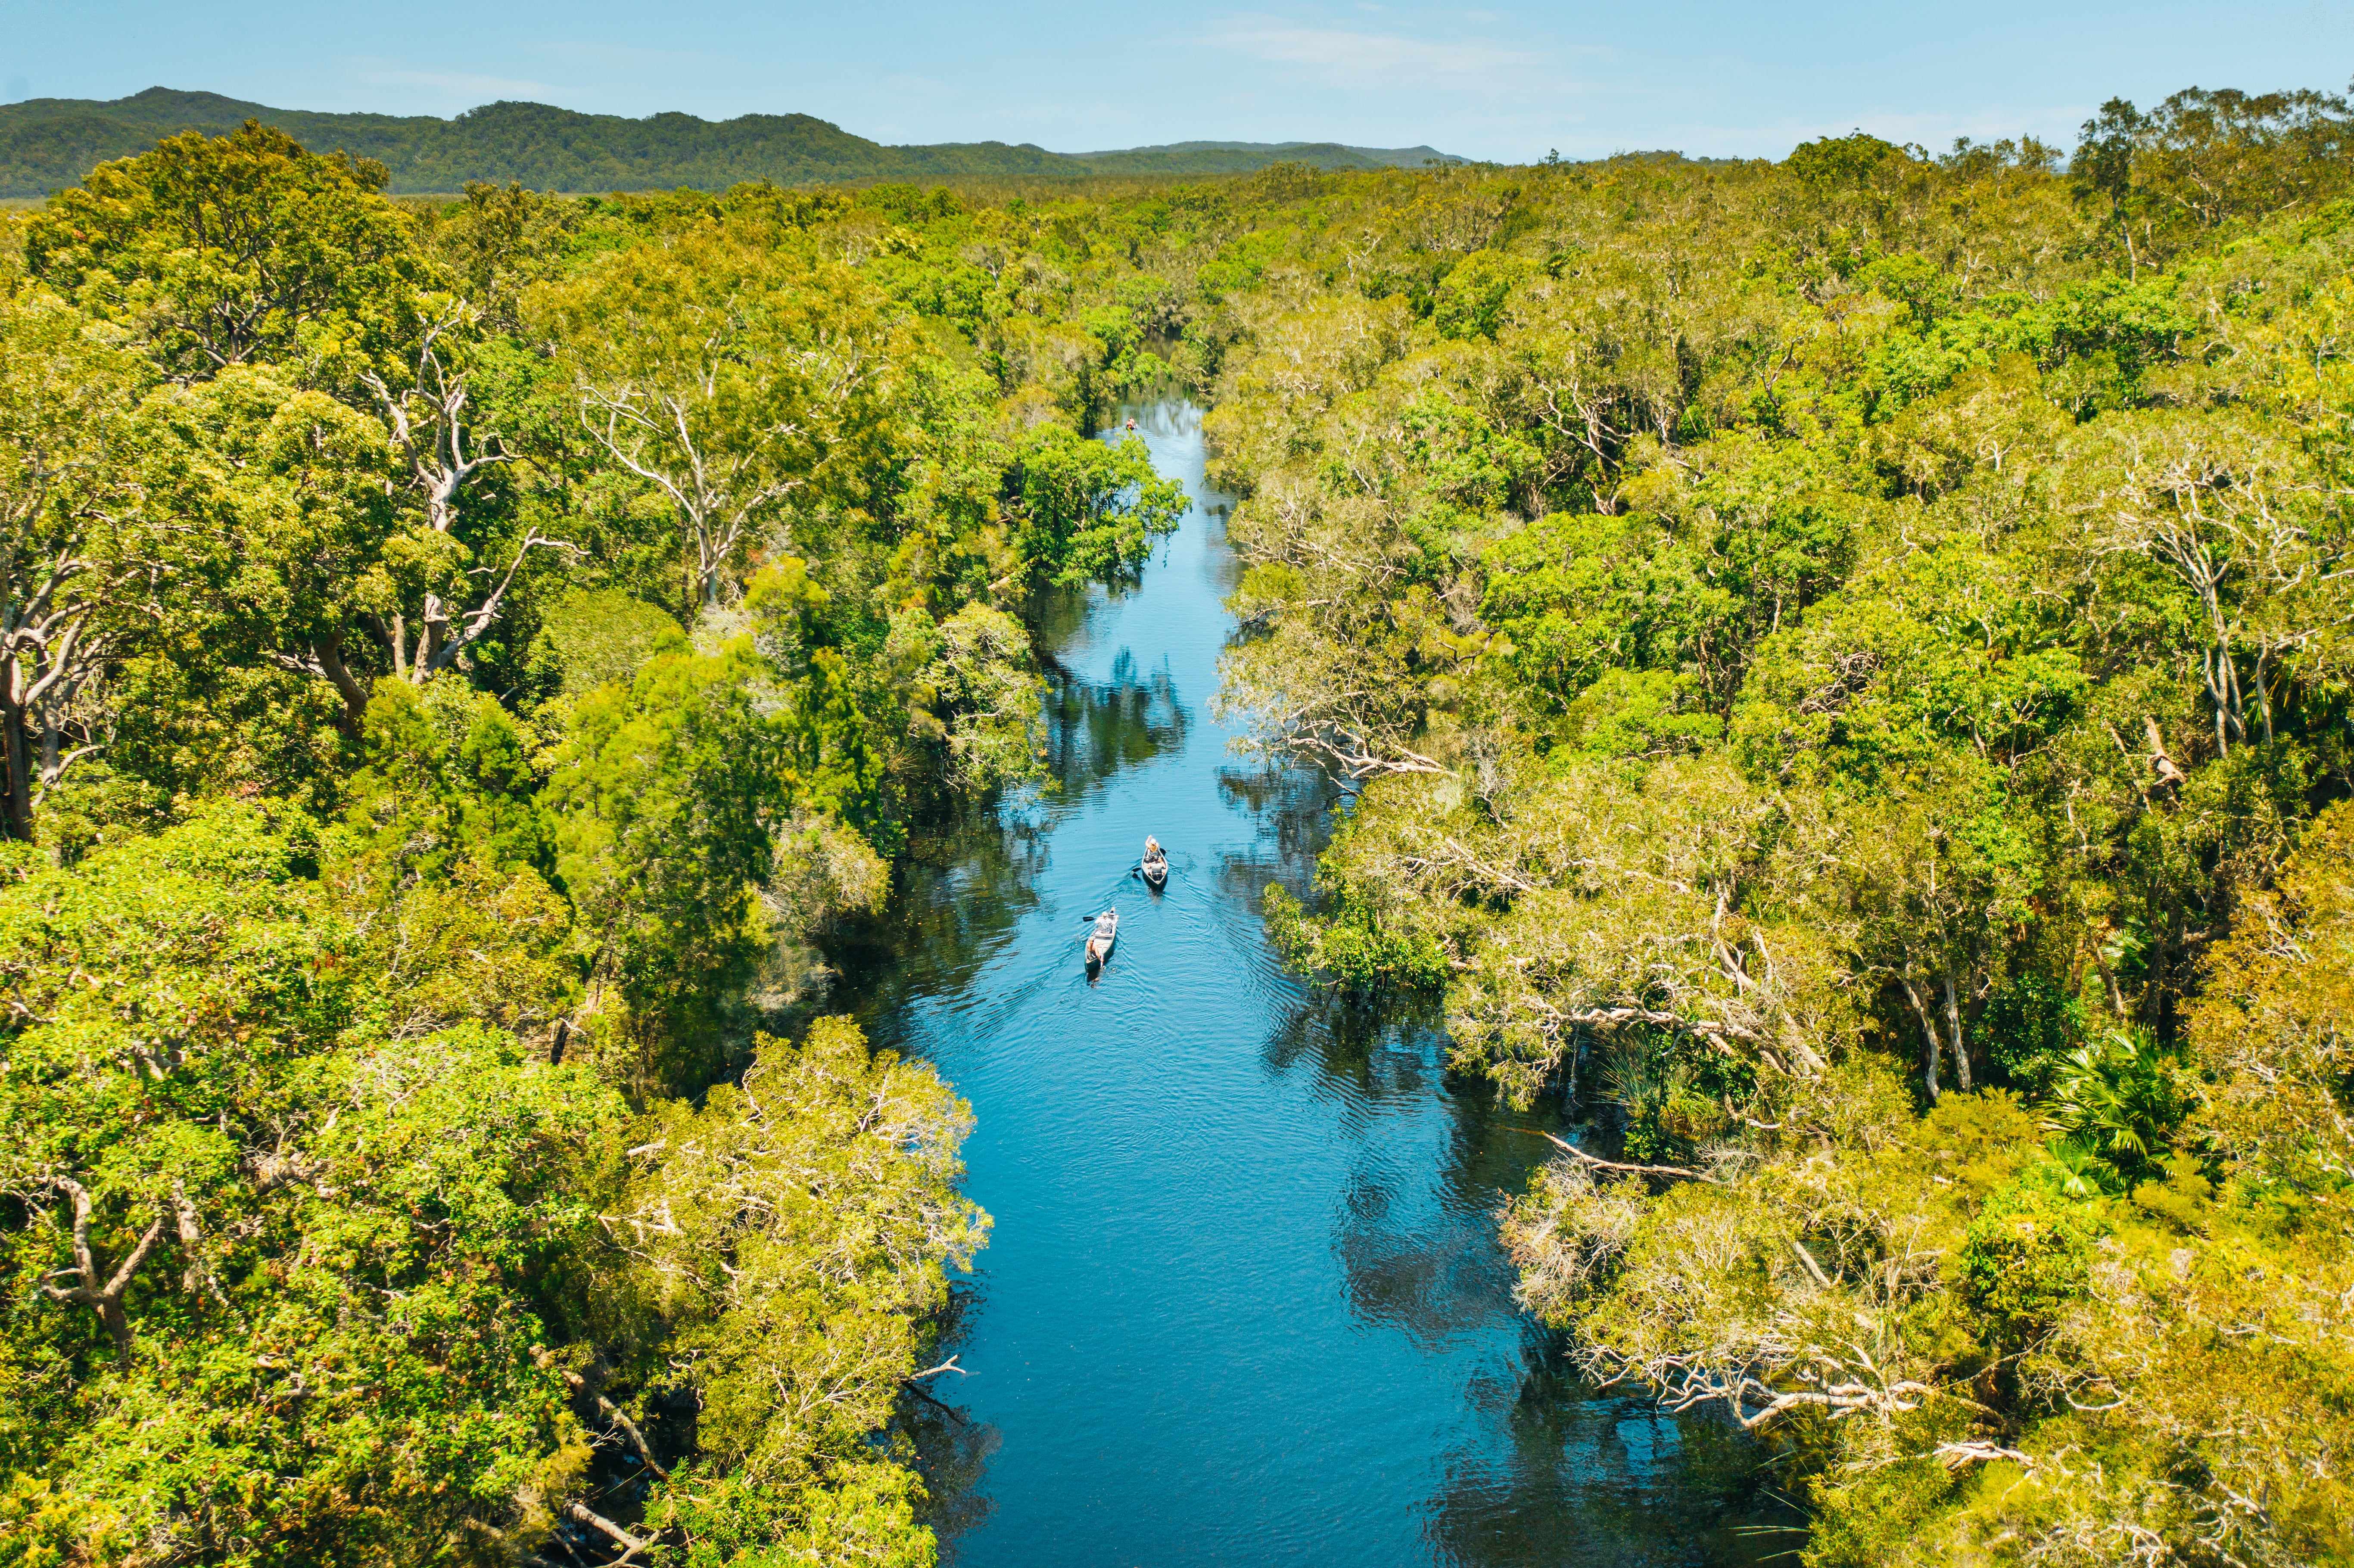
<point x="1243" y="1301"/>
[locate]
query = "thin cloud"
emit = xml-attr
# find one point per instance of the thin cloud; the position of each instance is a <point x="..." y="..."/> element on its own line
<point x="460" y="84"/>
<point x="619" y="54"/>
<point x="1353" y="55"/>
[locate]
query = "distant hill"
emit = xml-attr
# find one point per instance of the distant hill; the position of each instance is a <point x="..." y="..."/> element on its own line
<point x="1241" y="158"/>
<point x="47" y="143"/>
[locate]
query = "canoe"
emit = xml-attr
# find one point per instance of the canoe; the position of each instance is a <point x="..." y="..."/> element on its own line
<point x="1106" y="932"/>
<point x="1156" y="871"/>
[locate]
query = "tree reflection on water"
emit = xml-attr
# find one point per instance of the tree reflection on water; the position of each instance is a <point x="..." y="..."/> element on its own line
<point x="1205" y="1105"/>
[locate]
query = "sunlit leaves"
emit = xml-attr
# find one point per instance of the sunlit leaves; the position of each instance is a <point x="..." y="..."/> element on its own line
<point x="219" y="250"/>
<point x="1087" y="511"/>
<point x="727" y="376"/>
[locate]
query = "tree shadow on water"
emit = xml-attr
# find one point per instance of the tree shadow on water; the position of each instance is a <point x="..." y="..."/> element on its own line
<point x="1548" y="1470"/>
<point x="1588" y="1476"/>
<point x="1362" y="1050"/>
<point x="1293" y="809"/>
<point x="968" y="878"/>
<point x="1094" y="728"/>
<point x="950" y="1449"/>
<point x="958" y="897"/>
<point x="952" y="1454"/>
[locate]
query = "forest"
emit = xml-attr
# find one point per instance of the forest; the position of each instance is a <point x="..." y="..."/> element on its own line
<point x="456" y="660"/>
<point x="48" y="143"/>
<point x="1840" y="667"/>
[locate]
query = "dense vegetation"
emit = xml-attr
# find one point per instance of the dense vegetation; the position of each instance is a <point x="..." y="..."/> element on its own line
<point x="1848" y="666"/>
<point x="48" y="143"/>
<point x="452" y="666"/>
<point x="1843" y="666"/>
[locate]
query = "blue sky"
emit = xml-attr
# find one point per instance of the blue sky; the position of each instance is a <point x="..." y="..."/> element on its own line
<point x="1503" y="81"/>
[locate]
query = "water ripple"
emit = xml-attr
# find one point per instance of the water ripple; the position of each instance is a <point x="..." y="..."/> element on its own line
<point x="1244" y="1302"/>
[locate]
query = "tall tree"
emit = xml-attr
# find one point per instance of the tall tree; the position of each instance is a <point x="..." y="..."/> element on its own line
<point x="2233" y="509"/>
<point x="81" y="564"/>
<point x="727" y="373"/>
<point x="219" y="250"/>
<point x="420" y="386"/>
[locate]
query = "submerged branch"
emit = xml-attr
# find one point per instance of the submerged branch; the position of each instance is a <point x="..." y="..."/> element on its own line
<point x="1594" y="1162"/>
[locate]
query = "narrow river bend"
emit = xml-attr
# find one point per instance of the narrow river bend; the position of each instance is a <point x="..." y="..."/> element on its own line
<point x="1243" y="1301"/>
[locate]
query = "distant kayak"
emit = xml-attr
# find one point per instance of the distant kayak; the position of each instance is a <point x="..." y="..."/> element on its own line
<point x="1156" y="864"/>
<point x="1106" y="932"/>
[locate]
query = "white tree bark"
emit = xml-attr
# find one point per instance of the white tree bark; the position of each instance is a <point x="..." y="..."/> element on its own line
<point x="445" y="455"/>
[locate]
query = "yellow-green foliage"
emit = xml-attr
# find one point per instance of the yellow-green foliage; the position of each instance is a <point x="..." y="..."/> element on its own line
<point x="1813" y="639"/>
<point x="312" y="1257"/>
<point x="789" y="1235"/>
<point x="2276" y="1023"/>
<point x="1965" y="1351"/>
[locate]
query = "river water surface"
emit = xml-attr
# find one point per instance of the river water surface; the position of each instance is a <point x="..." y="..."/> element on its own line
<point x="1243" y="1301"/>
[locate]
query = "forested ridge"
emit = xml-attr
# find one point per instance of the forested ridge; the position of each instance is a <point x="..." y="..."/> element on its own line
<point x="47" y="143"/>
<point x="1841" y="668"/>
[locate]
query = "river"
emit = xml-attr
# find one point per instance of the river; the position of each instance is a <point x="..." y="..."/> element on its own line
<point x="1243" y="1301"/>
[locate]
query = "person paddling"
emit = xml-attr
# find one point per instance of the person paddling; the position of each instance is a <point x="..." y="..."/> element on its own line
<point x="1156" y="861"/>
<point x="1100" y="938"/>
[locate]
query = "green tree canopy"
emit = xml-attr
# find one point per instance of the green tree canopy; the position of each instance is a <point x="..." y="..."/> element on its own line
<point x="219" y="250"/>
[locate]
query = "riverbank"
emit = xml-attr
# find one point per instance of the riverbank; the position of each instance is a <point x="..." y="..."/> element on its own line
<point x="1243" y="1301"/>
